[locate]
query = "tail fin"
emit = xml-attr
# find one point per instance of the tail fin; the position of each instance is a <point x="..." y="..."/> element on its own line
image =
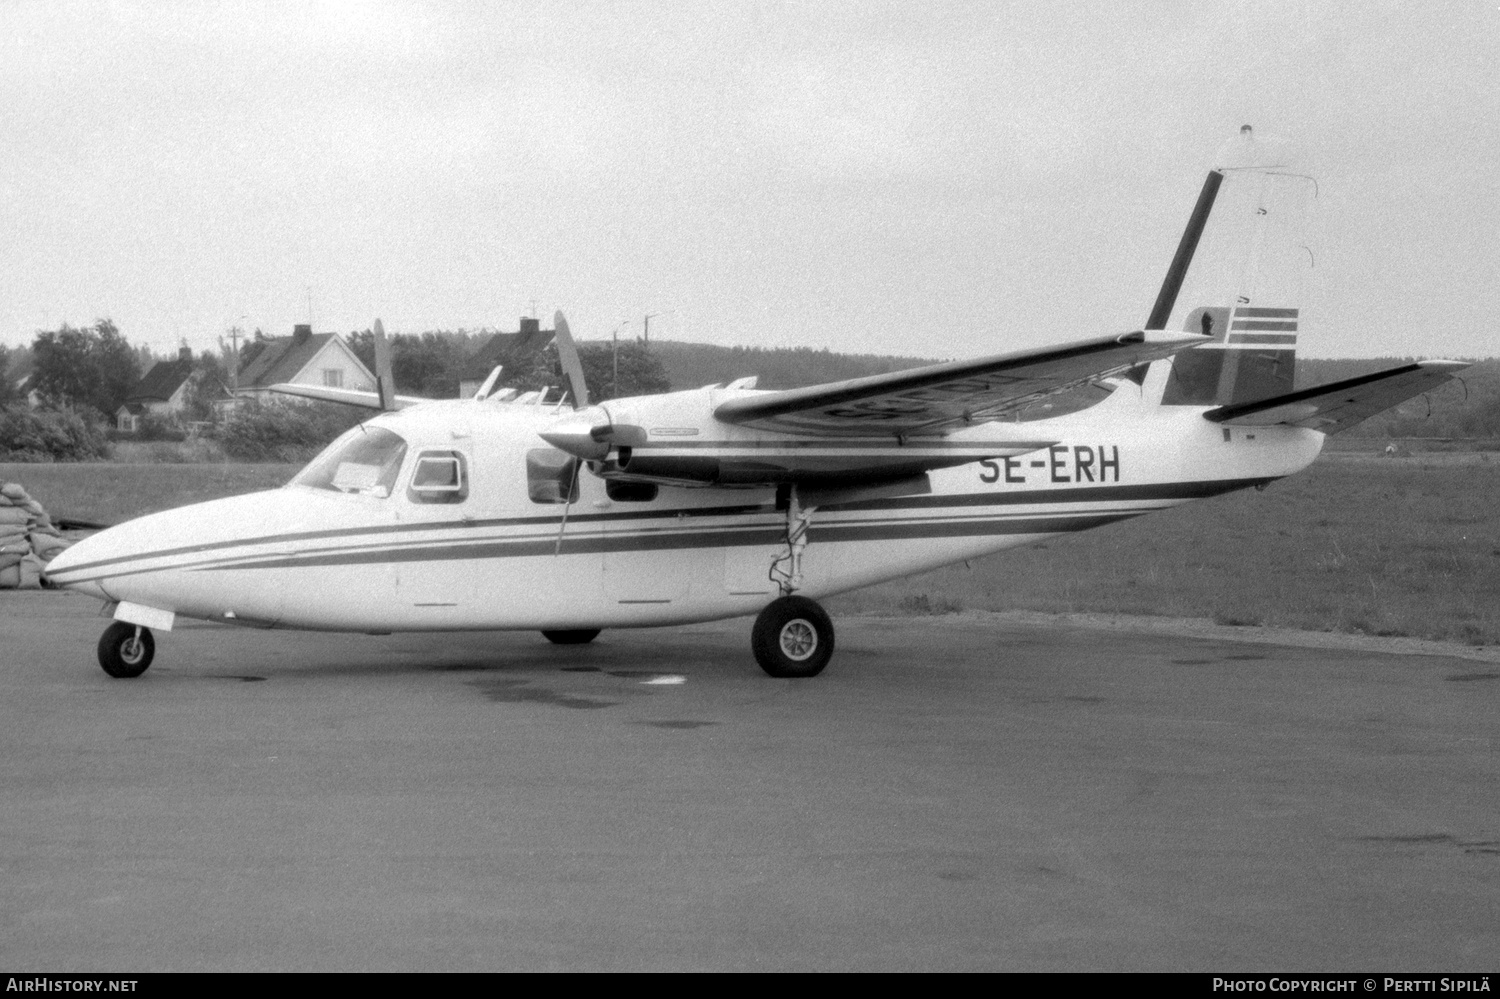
<point x="1237" y="276"/>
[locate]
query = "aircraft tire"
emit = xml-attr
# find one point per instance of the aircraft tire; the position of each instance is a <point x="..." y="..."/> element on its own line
<point x="121" y="654"/>
<point x="792" y="638"/>
<point x="580" y="636"/>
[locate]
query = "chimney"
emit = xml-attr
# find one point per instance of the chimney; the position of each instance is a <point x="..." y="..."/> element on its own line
<point x="300" y="332"/>
<point x="529" y="325"/>
<point x="185" y="354"/>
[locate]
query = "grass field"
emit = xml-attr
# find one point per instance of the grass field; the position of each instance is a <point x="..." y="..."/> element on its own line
<point x="108" y="492"/>
<point x="1358" y="543"/>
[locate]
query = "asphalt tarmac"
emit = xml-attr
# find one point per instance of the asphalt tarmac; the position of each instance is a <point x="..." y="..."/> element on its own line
<point x="958" y="792"/>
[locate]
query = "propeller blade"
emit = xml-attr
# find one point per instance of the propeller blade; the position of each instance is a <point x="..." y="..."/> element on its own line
<point x="567" y="353"/>
<point x="385" y="380"/>
<point x="489" y="384"/>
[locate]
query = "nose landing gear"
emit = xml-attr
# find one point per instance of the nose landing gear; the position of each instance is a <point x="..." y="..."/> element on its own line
<point x="125" y="650"/>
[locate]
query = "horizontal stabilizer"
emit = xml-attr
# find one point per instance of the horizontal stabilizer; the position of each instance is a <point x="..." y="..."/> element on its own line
<point x="939" y="398"/>
<point x="1337" y="407"/>
<point x="349" y="397"/>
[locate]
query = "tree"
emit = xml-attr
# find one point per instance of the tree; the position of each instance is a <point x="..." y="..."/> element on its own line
<point x="208" y="384"/>
<point x="7" y="390"/>
<point x="640" y="371"/>
<point x="92" y="366"/>
<point x="424" y="364"/>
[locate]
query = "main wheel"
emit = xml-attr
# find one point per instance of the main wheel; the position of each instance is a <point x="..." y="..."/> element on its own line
<point x="581" y="636"/>
<point x="792" y="637"/>
<point x="125" y="650"/>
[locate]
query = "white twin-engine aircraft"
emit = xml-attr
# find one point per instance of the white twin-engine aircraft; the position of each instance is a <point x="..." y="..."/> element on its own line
<point x="507" y="512"/>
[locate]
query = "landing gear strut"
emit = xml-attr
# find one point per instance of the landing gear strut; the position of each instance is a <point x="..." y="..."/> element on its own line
<point x="125" y="650"/>
<point x="793" y="636"/>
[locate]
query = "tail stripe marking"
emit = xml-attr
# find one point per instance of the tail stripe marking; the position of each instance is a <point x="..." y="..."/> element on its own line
<point x="1289" y="339"/>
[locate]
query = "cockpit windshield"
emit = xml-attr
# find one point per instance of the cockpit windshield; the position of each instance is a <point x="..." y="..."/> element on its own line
<point x="366" y="460"/>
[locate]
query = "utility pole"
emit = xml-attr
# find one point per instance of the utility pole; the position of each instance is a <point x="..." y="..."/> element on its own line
<point x="234" y="361"/>
<point x="614" y="336"/>
<point x="647" y="335"/>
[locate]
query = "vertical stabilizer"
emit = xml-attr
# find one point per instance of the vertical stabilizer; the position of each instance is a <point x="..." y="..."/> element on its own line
<point x="1238" y="276"/>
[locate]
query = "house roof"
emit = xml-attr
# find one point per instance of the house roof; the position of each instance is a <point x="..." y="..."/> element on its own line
<point x="279" y="359"/>
<point x="505" y="349"/>
<point x="164" y="378"/>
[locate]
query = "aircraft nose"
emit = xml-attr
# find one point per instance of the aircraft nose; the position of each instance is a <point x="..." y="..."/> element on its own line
<point x="66" y="568"/>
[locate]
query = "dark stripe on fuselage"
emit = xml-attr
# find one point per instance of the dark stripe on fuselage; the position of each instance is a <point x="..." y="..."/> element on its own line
<point x="1086" y="494"/>
<point x="749" y="535"/>
<point x="435" y="525"/>
<point x="600" y="544"/>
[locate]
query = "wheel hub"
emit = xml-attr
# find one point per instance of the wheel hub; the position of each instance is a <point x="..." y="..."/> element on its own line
<point x="799" y="640"/>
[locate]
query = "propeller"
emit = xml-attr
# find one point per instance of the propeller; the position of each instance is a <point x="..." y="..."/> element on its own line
<point x="591" y="432"/>
<point x="592" y="435"/>
<point x="385" y="379"/>
<point x="567" y="353"/>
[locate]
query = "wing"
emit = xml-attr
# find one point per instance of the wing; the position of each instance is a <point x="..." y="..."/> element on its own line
<point x="1337" y="407"/>
<point x="350" y="397"/>
<point x="941" y="397"/>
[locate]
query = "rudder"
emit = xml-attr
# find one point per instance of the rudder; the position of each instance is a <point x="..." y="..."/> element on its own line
<point x="1237" y="276"/>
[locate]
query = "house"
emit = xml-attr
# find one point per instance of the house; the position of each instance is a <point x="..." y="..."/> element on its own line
<point x="505" y="349"/>
<point x="20" y="382"/>
<point x="162" y="391"/>
<point x="306" y="358"/>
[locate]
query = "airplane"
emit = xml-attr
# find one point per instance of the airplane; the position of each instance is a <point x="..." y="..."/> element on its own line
<point x="510" y="510"/>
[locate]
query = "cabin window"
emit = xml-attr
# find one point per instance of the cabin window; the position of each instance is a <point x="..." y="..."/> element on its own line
<point x="439" y="477"/>
<point x="551" y="476"/>
<point x="629" y="492"/>
<point x="366" y="460"/>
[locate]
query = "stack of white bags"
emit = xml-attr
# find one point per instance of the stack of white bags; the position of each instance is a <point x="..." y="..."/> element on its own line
<point x="28" y="541"/>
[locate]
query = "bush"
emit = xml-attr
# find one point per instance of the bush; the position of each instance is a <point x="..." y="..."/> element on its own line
<point x="49" y="435"/>
<point x="151" y="427"/>
<point x="284" y="432"/>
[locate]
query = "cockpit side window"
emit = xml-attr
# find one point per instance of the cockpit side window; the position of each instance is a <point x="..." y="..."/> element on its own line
<point x="551" y="476"/>
<point x="439" y="477"/>
<point x="366" y="461"/>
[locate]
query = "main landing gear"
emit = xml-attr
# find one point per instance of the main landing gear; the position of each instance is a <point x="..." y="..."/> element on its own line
<point x="793" y="636"/>
<point x="125" y="650"/>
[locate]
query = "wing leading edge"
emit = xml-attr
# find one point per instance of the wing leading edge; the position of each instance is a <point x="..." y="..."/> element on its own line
<point x="1337" y="407"/>
<point x="942" y="397"/>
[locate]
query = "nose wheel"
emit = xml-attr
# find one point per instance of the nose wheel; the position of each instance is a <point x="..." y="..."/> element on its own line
<point x="125" y="650"/>
<point x="792" y="637"/>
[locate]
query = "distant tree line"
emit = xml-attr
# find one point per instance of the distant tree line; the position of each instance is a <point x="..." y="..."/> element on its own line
<point x="83" y="374"/>
<point x="432" y="364"/>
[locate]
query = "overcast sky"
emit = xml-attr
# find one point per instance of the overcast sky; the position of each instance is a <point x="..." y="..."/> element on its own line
<point x="939" y="179"/>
